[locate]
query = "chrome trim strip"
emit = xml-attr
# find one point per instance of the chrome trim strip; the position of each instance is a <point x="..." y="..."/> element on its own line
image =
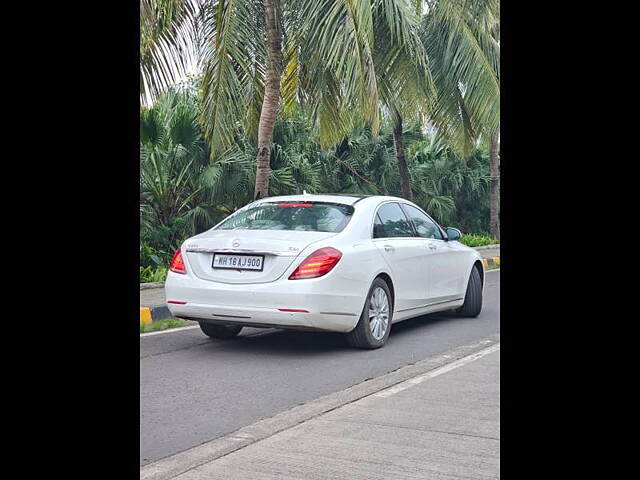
<point x="339" y="313"/>
<point x="242" y="250"/>
<point x="228" y="316"/>
<point x="429" y="304"/>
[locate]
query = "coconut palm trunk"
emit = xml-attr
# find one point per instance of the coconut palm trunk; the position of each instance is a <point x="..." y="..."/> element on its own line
<point x="271" y="98"/>
<point x="405" y="179"/>
<point x="494" y="186"/>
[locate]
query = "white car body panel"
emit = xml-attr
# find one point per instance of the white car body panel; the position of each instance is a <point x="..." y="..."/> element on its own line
<point x="423" y="280"/>
<point x="407" y="259"/>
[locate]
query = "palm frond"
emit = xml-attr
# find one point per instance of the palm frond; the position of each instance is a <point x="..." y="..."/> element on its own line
<point x="231" y="75"/>
<point x="464" y="59"/>
<point x="168" y="35"/>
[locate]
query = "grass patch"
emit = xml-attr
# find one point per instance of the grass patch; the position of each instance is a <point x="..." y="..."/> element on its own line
<point x="163" y="324"/>
<point x="492" y="267"/>
<point x="473" y="240"/>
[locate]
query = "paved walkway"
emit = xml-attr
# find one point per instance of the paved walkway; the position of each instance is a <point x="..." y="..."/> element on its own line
<point x="152" y="297"/>
<point x="490" y="252"/>
<point x="445" y="427"/>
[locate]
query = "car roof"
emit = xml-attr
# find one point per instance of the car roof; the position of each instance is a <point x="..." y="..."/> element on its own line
<point x="344" y="198"/>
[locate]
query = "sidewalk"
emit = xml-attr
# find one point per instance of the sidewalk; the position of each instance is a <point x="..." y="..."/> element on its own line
<point x="428" y="427"/>
<point x="489" y="252"/>
<point x="152" y="297"/>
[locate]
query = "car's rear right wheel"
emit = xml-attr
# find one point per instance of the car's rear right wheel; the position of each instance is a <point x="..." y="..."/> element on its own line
<point x="374" y="325"/>
<point x="221" y="332"/>
<point x="473" y="299"/>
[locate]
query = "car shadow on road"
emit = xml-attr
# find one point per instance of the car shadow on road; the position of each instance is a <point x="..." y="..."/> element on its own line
<point x="424" y="321"/>
<point x="295" y="342"/>
<point x="290" y="342"/>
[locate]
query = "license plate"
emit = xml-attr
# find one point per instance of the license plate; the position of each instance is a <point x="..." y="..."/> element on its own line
<point x="238" y="261"/>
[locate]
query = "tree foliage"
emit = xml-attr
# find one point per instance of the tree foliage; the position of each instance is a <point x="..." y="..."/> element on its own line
<point x="183" y="193"/>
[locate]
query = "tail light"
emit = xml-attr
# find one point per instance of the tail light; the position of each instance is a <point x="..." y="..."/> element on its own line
<point x="177" y="264"/>
<point x="317" y="264"/>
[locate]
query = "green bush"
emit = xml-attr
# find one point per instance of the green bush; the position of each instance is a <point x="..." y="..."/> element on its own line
<point x="478" y="240"/>
<point x="151" y="274"/>
<point x="149" y="257"/>
<point x="159" y="244"/>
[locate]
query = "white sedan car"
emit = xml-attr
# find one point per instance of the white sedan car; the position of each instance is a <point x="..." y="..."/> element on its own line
<point x="342" y="263"/>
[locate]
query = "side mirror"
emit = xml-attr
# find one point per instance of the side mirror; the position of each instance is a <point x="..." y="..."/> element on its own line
<point x="453" y="234"/>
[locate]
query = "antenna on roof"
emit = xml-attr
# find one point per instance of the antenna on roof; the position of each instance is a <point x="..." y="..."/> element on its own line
<point x="304" y="192"/>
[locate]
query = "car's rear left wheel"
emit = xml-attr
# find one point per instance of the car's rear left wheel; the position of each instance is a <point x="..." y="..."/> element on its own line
<point x="372" y="330"/>
<point x="221" y="332"/>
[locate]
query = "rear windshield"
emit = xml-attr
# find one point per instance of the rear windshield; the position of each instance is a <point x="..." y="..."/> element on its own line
<point x="305" y="216"/>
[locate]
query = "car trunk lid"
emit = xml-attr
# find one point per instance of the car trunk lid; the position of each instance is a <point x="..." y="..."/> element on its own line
<point x="278" y="248"/>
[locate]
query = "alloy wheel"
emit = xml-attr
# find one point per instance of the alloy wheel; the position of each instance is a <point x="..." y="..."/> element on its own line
<point x="378" y="313"/>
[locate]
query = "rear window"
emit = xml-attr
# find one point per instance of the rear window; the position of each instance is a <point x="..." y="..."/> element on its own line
<point x="304" y="216"/>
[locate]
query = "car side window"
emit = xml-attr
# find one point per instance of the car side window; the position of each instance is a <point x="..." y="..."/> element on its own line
<point x="378" y="228"/>
<point x="424" y="225"/>
<point x="391" y="222"/>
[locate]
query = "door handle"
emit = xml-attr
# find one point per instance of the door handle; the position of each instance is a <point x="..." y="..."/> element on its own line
<point x="389" y="248"/>
<point x="431" y="246"/>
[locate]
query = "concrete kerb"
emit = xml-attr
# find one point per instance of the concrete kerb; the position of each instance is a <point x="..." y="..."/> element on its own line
<point x="487" y="247"/>
<point x="491" y="261"/>
<point x="151" y="314"/>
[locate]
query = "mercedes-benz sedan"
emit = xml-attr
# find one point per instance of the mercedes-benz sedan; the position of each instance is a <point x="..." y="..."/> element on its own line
<point x="340" y="263"/>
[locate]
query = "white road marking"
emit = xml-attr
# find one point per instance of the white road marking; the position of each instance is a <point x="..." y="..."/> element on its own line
<point x="438" y="371"/>
<point x="170" y="330"/>
<point x="492" y="270"/>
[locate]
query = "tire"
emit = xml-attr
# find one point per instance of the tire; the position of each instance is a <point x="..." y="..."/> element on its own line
<point x="362" y="336"/>
<point x="221" y="332"/>
<point x="473" y="298"/>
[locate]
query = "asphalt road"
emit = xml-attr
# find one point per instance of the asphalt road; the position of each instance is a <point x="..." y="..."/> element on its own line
<point x="193" y="389"/>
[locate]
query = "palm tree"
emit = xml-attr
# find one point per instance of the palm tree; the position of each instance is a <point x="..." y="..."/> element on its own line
<point x="403" y="169"/>
<point x="495" y="168"/>
<point x="407" y="90"/>
<point x="463" y="61"/>
<point x="494" y="223"/>
<point x="273" y="77"/>
<point x="167" y="40"/>
<point x="319" y="53"/>
<point x="462" y="41"/>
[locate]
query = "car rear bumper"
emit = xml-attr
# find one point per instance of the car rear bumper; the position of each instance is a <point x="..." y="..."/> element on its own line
<point x="325" y="305"/>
